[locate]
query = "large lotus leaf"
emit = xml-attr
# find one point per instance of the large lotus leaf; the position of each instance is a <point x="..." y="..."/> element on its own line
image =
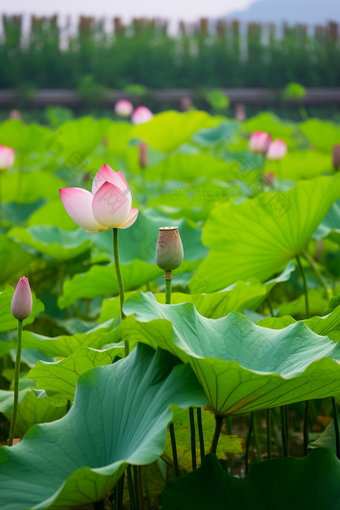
<point x="31" y="410"/>
<point x="24" y="138"/>
<point x="117" y="136"/>
<point x="241" y="366"/>
<point x="52" y="241"/>
<point x="119" y="417"/>
<point x="14" y="260"/>
<point x="331" y="222"/>
<point x="168" y="130"/>
<point x="32" y="186"/>
<point x="102" y="280"/>
<point x="7" y="321"/>
<point x="297" y="308"/>
<point x="298" y="165"/>
<point x="322" y="135"/>
<point x="82" y="135"/>
<point x="53" y="213"/>
<point x="260" y="236"/>
<point x="64" y="345"/>
<point x="327" y="438"/>
<point x="209" y="137"/>
<point x="16" y="214"/>
<point x="311" y="482"/>
<point x="59" y="378"/>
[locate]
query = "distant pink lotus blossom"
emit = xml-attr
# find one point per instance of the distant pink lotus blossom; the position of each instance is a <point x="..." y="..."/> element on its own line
<point x="108" y="206"/>
<point x="259" y="142"/>
<point x="21" y="305"/>
<point x="123" y="108"/>
<point x="277" y="150"/>
<point x="141" y="115"/>
<point x="7" y="157"/>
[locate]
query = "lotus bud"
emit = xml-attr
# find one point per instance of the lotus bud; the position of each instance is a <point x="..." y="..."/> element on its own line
<point x="21" y="306"/>
<point x="15" y="115"/>
<point x="143" y="155"/>
<point x="240" y="112"/>
<point x="123" y="108"/>
<point x="277" y="150"/>
<point x="186" y="103"/>
<point x="169" y="250"/>
<point x="259" y="142"/>
<point x="141" y="115"/>
<point x="336" y="156"/>
<point x="7" y="157"/>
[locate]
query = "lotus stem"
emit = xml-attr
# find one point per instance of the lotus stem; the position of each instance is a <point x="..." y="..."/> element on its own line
<point x="0" y="200"/>
<point x="228" y="425"/>
<point x="140" y="488"/>
<point x="168" y="291"/>
<point x="218" y="428"/>
<point x="120" y="493"/>
<point x="136" y="486"/>
<point x="68" y="405"/>
<point x="305" y="429"/>
<point x="270" y="305"/>
<point x="131" y="488"/>
<point x="200" y="432"/>
<point x="318" y="273"/>
<point x="16" y="385"/>
<point x="283" y="431"/>
<point x="304" y="284"/>
<point x="193" y="438"/>
<point x="287" y="424"/>
<point x="120" y="282"/>
<point x="336" y="427"/>
<point x="269" y="433"/>
<point x="248" y="441"/>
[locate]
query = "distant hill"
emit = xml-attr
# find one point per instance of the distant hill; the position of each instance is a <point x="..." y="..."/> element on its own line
<point x="313" y="12"/>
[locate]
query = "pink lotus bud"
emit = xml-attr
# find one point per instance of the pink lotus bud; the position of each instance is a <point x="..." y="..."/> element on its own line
<point x="7" y="157"/>
<point x="21" y="306"/>
<point x="169" y="249"/>
<point x="186" y="103"/>
<point x="336" y="156"/>
<point x="123" y="108"/>
<point x="15" y="115"/>
<point x="277" y="150"/>
<point x="143" y="155"/>
<point x="259" y="142"/>
<point x="240" y="112"/>
<point x="141" y="115"/>
<point x="270" y="178"/>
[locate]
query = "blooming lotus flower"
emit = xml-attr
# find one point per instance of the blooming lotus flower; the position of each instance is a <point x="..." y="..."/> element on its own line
<point x="108" y="206"/>
<point x="277" y="150"/>
<point x="259" y="142"/>
<point x="7" y="157"/>
<point x="21" y="305"/>
<point x="123" y="108"/>
<point x="141" y="115"/>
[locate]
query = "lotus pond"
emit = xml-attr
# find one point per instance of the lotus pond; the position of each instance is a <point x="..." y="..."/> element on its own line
<point x="187" y="368"/>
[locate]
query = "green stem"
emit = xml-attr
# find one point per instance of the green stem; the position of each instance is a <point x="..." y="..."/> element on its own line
<point x="269" y="433"/>
<point x="228" y="425"/>
<point x="120" y="493"/>
<point x="200" y="432"/>
<point x="305" y="429"/>
<point x="318" y="273"/>
<point x="269" y="299"/>
<point x="336" y="427"/>
<point x="256" y="440"/>
<point x="136" y="485"/>
<point x="193" y="437"/>
<point x="283" y="431"/>
<point x="218" y="428"/>
<point x="16" y="385"/>
<point x="120" y="282"/>
<point x="304" y="284"/>
<point x="130" y="488"/>
<point x="287" y="424"/>
<point x="0" y="199"/>
<point x="248" y="441"/>
<point x="68" y="405"/>
<point x="167" y="292"/>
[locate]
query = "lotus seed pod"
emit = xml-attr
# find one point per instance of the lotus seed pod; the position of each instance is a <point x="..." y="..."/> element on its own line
<point x="21" y="305"/>
<point x="169" y="249"/>
<point x="143" y="155"/>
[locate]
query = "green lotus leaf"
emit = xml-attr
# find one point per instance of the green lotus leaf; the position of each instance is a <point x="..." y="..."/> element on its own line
<point x="117" y="135"/>
<point x="14" y="260"/>
<point x="7" y="321"/>
<point x="209" y="137"/>
<point x="298" y="165"/>
<point x="53" y="213"/>
<point x="258" y="237"/>
<point x="81" y="136"/>
<point x="52" y="241"/>
<point x="59" y="378"/>
<point x="15" y="214"/>
<point x="119" y="417"/>
<point x="32" y="186"/>
<point x="330" y="223"/>
<point x="333" y="303"/>
<point x="311" y="482"/>
<point x="168" y="130"/>
<point x="322" y="135"/>
<point x="241" y="366"/>
<point x="31" y="410"/>
<point x="326" y="439"/>
<point x="297" y="308"/>
<point x="24" y="138"/>
<point x="64" y="345"/>
<point x="270" y="123"/>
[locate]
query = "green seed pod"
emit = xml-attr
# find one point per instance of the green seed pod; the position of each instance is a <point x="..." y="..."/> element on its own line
<point x="169" y="249"/>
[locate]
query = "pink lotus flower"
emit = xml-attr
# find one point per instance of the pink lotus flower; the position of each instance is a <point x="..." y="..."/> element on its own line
<point x="141" y="115"/>
<point x="259" y="142"/>
<point x="108" y="206"/>
<point x="21" y="305"/>
<point x="123" y="108"/>
<point x="277" y="150"/>
<point x="7" y="157"/>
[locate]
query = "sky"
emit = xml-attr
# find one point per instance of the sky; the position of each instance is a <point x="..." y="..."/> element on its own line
<point x="189" y="10"/>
